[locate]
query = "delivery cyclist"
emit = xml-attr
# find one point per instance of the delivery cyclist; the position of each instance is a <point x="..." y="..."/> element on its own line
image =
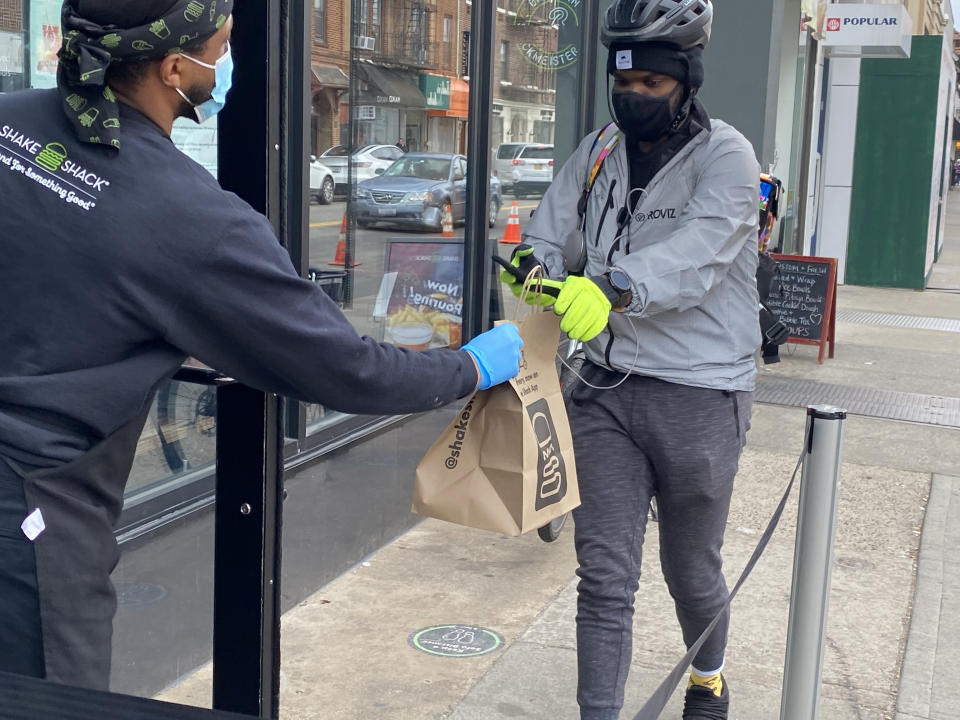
<point x="670" y="230"/>
<point x="121" y="256"/>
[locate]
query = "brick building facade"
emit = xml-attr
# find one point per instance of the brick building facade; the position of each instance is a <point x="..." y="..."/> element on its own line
<point x="11" y="16"/>
<point x="408" y="45"/>
<point x="330" y="61"/>
<point x="525" y="72"/>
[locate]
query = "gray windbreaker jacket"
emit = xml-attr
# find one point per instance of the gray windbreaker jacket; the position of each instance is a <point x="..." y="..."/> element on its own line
<point x="690" y="249"/>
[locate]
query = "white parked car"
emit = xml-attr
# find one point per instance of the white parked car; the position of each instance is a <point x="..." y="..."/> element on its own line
<point x="322" y="184"/>
<point x="503" y="161"/>
<point x="366" y="161"/>
<point x="532" y="170"/>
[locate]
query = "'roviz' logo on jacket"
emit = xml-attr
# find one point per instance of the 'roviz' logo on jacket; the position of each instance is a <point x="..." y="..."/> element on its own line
<point x="657" y="214"/>
<point x="551" y="470"/>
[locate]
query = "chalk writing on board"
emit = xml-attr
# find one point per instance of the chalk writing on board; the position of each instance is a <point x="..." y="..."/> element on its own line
<point x="800" y="298"/>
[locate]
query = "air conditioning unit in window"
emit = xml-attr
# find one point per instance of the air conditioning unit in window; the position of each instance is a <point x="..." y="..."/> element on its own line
<point x="362" y="42"/>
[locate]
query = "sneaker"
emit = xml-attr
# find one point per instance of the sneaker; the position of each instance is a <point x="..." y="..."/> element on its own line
<point x="702" y="703"/>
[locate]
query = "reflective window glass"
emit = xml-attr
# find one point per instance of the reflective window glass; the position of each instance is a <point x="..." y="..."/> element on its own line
<point x="537" y="43"/>
<point x="385" y="91"/>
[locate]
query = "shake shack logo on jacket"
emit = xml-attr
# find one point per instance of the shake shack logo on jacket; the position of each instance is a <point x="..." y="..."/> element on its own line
<point x="456" y="447"/>
<point x="551" y="471"/>
<point x="47" y="165"/>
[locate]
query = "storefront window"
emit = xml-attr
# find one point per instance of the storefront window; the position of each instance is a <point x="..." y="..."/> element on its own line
<point x="389" y="118"/>
<point x="524" y="104"/>
<point x="388" y="182"/>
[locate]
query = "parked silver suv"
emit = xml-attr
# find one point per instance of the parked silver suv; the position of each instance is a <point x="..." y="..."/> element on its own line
<point x="531" y="170"/>
<point x="503" y="162"/>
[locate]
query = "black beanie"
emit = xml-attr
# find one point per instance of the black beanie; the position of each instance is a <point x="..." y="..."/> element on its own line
<point x="684" y="65"/>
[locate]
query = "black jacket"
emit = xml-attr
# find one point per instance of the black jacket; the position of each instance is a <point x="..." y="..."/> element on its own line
<point x="115" y="266"/>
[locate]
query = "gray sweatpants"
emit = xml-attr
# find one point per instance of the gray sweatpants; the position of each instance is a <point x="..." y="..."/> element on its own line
<point x="645" y="438"/>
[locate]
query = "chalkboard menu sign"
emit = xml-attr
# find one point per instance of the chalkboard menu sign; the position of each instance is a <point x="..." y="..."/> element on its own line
<point x="804" y="297"/>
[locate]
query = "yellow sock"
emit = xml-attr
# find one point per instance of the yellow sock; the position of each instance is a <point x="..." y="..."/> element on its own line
<point x="713" y="683"/>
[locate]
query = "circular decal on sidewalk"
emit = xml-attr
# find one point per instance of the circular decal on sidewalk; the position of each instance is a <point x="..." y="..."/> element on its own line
<point x="456" y="640"/>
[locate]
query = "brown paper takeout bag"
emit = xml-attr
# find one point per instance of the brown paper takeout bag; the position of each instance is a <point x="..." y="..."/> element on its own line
<point x="505" y="463"/>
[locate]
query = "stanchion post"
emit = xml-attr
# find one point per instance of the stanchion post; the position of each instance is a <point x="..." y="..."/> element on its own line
<point x="813" y="558"/>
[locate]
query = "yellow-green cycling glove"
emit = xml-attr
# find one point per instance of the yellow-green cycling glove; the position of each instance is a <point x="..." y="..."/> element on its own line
<point x="584" y="307"/>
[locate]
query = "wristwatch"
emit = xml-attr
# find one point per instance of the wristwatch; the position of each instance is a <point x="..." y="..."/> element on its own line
<point x="617" y="288"/>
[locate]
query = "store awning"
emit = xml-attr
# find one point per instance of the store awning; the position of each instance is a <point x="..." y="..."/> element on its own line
<point x="328" y="76"/>
<point x="389" y="87"/>
<point x="459" y="100"/>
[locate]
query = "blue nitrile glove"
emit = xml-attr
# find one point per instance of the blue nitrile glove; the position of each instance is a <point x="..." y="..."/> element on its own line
<point x="584" y="307"/>
<point x="497" y="354"/>
<point x="524" y="261"/>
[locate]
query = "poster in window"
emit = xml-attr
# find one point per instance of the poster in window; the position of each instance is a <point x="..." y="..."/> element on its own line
<point x="421" y="297"/>
<point x="44" y="42"/>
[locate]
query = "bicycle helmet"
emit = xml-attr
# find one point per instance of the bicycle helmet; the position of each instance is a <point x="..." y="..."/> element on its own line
<point x="684" y="23"/>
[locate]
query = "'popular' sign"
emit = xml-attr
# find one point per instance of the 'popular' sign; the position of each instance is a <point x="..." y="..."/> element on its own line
<point x="867" y="31"/>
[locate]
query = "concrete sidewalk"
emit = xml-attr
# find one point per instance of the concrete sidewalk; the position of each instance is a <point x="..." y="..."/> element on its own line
<point x="894" y="607"/>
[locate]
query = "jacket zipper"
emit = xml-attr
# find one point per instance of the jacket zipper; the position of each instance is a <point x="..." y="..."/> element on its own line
<point x="607" y="207"/>
<point x="615" y="246"/>
<point x="606" y="352"/>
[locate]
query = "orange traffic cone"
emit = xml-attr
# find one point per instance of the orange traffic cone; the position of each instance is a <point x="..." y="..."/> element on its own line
<point x="447" y="222"/>
<point x="511" y="235"/>
<point x="340" y="257"/>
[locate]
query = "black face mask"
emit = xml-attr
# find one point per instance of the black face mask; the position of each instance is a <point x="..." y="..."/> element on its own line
<point x="642" y="117"/>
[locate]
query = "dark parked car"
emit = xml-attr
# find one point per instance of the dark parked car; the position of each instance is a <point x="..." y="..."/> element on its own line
<point x="415" y="190"/>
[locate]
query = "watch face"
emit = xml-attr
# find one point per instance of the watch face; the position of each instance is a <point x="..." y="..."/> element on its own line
<point x="619" y="280"/>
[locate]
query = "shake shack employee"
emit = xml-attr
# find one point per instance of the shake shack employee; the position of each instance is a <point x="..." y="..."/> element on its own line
<point x="121" y="257"/>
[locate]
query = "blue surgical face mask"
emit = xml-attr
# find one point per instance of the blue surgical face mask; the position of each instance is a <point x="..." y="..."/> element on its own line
<point x="223" y="70"/>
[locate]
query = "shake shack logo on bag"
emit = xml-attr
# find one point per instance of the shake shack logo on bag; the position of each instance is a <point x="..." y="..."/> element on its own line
<point x="505" y="463"/>
<point x="460" y="430"/>
<point x="552" y="485"/>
